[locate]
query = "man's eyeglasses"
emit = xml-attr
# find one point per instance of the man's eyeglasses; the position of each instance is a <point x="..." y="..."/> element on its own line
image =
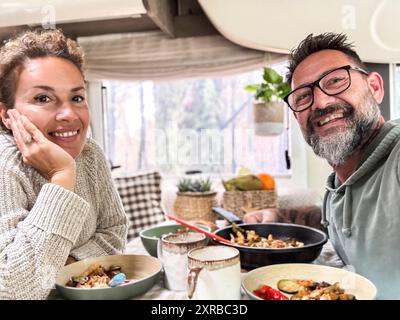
<point x="334" y="82"/>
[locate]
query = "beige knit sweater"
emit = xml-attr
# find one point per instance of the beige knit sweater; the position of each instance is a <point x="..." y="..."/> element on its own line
<point x="42" y="223"/>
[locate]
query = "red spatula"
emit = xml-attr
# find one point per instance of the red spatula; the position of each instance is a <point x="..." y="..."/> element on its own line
<point x="193" y="227"/>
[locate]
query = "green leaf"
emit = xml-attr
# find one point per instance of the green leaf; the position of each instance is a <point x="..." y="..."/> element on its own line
<point x="268" y="94"/>
<point x="271" y="76"/>
<point x="283" y="89"/>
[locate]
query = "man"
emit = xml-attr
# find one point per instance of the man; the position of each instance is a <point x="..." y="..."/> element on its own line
<point x="336" y="103"/>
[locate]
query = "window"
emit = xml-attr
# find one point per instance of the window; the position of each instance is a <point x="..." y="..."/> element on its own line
<point x="199" y="124"/>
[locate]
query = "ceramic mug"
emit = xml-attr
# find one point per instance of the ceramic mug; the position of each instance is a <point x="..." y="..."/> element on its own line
<point x="214" y="273"/>
<point x="172" y="250"/>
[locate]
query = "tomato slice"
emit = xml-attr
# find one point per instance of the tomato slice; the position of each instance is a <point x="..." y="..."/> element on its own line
<point x="268" y="293"/>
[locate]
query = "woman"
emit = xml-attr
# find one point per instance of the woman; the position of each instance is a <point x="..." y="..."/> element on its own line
<point x="58" y="203"/>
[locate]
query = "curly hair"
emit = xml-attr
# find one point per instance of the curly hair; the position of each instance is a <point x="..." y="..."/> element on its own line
<point x="324" y="41"/>
<point x="28" y="45"/>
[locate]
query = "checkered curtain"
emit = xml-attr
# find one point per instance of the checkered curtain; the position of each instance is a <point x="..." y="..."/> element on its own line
<point x="141" y="197"/>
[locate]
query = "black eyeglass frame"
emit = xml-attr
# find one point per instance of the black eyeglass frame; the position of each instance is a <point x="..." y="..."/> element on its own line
<point x="316" y="83"/>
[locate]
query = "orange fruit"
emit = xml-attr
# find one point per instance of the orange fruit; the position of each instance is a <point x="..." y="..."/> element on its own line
<point x="267" y="181"/>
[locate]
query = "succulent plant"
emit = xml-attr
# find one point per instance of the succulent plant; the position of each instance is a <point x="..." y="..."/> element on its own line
<point x="183" y="185"/>
<point x="196" y="185"/>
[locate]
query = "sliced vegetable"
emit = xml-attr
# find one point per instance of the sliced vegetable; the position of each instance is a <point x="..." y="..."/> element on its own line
<point x="268" y="293"/>
<point x="289" y="285"/>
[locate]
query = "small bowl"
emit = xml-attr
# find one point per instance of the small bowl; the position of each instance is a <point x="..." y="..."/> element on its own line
<point x="151" y="236"/>
<point x="352" y="283"/>
<point x="143" y="268"/>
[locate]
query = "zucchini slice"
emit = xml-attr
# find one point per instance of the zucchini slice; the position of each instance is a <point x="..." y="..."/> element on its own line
<point x="289" y="286"/>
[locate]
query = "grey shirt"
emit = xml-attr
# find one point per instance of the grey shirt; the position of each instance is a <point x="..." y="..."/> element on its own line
<point x="364" y="213"/>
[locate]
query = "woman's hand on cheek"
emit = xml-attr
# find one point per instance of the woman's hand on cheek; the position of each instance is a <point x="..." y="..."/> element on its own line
<point x="49" y="159"/>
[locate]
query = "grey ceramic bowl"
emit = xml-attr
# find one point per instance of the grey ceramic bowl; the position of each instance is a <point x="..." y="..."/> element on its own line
<point x="144" y="269"/>
<point x="150" y="236"/>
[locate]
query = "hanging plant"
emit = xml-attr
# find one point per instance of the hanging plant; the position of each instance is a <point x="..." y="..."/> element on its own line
<point x="268" y="103"/>
<point x="272" y="89"/>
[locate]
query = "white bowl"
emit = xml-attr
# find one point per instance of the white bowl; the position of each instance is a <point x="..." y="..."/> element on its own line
<point x="352" y="283"/>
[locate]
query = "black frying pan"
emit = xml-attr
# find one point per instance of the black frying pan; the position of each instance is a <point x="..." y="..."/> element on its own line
<point x="252" y="258"/>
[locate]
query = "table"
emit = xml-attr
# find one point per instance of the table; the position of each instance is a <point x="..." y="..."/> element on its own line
<point x="327" y="257"/>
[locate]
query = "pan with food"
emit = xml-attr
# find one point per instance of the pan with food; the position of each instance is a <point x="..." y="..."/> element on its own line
<point x="271" y="243"/>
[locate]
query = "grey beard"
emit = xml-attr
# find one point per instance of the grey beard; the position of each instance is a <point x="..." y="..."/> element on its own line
<point x="337" y="147"/>
<point x="336" y="150"/>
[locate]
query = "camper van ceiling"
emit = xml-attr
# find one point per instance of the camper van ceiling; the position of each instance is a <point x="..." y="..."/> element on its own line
<point x="176" y="18"/>
<point x="14" y="13"/>
<point x="278" y="26"/>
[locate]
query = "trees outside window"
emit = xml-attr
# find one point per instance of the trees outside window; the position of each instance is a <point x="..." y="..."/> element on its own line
<point x="198" y="124"/>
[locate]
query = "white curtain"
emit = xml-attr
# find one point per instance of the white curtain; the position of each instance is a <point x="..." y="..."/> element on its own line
<point x="154" y="56"/>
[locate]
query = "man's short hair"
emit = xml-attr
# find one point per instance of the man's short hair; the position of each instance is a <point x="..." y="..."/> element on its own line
<point x="324" y="41"/>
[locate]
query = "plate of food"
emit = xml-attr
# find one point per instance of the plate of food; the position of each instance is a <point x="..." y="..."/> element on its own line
<point x="113" y="277"/>
<point x="301" y="281"/>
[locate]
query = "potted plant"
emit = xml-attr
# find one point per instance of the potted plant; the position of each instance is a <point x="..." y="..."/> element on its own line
<point x="268" y="103"/>
<point x="195" y="200"/>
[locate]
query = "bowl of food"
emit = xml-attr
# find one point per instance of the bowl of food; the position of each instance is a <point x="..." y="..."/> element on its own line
<point x="150" y="236"/>
<point x="265" y="244"/>
<point x="115" y="277"/>
<point x="300" y="281"/>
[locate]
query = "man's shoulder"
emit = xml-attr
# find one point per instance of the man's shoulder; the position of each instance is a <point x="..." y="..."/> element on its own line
<point x="391" y="135"/>
<point x="396" y="125"/>
<point x="395" y="121"/>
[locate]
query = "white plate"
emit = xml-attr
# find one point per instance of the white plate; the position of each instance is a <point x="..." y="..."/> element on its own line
<point x="352" y="283"/>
